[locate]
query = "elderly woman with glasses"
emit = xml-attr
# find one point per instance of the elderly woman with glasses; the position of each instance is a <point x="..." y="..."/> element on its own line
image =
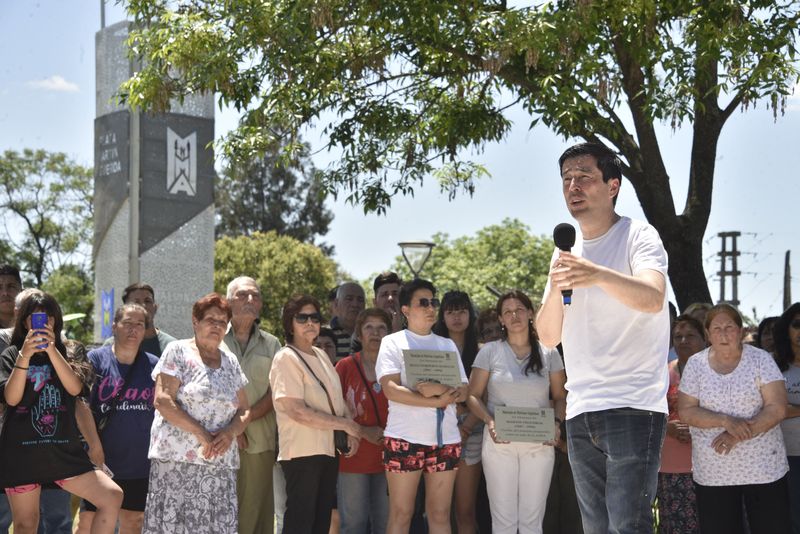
<point x="201" y="408"/>
<point x="309" y="407"/>
<point x="421" y="438"/>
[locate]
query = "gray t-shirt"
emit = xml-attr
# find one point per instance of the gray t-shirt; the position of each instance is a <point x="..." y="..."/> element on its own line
<point x="791" y="427"/>
<point x="508" y="383"/>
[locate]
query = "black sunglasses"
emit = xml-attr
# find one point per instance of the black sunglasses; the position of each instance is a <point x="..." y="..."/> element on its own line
<point x="303" y="318"/>
<point x="424" y="303"/>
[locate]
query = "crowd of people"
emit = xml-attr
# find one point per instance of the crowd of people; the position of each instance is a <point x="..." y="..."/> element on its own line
<point x="233" y="430"/>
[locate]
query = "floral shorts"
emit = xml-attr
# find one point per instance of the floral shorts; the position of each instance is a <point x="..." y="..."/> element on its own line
<point x="400" y="456"/>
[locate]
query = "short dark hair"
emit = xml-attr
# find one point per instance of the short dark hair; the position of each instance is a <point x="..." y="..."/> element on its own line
<point x="292" y="308"/>
<point x="364" y="316"/>
<point x="691" y="321"/>
<point x="607" y="161"/>
<point x="408" y="289"/>
<point x="10" y="270"/>
<point x="486" y="317"/>
<point x="119" y="312"/>
<point x="138" y="286"/>
<point x="386" y="277"/>
<point x="212" y="300"/>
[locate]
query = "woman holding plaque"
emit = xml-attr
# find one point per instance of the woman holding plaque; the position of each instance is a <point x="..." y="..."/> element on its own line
<point x="517" y="371"/>
<point x="421" y="438"/>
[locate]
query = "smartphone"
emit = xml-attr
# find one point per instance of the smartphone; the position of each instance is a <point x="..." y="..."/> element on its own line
<point x="39" y="322"/>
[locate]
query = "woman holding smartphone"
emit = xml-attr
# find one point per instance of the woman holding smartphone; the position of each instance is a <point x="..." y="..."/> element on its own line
<point x="40" y="443"/>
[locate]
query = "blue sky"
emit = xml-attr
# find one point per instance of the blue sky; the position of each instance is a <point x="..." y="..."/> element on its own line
<point x="47" y="101"/>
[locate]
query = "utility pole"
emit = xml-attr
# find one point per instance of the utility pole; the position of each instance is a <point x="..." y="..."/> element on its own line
<point x="734" y="272"/>
<point x="787" y="282"/>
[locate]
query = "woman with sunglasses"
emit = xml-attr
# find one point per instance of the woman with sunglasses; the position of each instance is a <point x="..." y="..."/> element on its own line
<point x="421" y="438"/>
<point x="309" y="407"/>
<point x="787" y="355"/>
<point x="201" y="408"/>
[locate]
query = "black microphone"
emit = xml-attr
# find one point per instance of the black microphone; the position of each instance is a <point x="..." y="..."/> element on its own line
<point x="564" y="238"/>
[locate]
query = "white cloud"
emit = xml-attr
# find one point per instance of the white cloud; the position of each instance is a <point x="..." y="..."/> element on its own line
<point x="54" y="83"/>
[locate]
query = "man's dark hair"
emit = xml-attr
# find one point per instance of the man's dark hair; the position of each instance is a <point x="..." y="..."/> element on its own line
<point x="409" y="288"/>
<point x="386" y="277"/>
<point x="10" y="270"/>
<point x="136" y="287"/>
<point x="607" y="160"/>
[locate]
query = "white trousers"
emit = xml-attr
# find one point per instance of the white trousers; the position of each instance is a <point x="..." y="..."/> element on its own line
<point x="517" y="481"/>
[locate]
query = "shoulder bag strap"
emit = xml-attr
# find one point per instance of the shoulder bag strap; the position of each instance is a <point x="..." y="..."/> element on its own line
<point x="330" y="403"/>
<point x="369" y="389"/>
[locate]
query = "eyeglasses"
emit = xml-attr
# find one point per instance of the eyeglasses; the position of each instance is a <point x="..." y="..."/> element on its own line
<point x="303" y="318"/>
<point x="425" y="303"/>
<point x="795" y="324"/>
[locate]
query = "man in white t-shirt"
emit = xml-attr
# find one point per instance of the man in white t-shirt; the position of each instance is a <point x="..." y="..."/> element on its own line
<point x="615" y="336"/>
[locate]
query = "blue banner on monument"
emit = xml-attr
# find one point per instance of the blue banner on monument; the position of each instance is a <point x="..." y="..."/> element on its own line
<point x="106" y="313"/>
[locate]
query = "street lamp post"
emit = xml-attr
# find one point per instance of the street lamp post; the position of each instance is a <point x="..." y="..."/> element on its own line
<point x="416" y="253"/>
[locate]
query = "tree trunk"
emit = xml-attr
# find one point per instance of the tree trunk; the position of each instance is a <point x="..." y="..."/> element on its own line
<point x="686" y="271"/>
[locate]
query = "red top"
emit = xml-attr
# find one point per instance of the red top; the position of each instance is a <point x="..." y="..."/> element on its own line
<point x="676" y="457"/>
<point x="369" y="458"/>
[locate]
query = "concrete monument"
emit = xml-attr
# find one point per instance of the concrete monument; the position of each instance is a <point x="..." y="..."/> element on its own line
<point x="154" y="196"/>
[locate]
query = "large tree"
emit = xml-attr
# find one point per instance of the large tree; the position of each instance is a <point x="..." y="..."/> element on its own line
<point x="47" y="209"/>
<point x="281" y="265"/>
<point x="46" y="203"/>
<point x="504" y="256"/>
<point x="402" y="87"/>
<point x="272" y="193"/>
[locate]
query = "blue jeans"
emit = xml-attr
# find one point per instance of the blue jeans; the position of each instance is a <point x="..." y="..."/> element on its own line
<point x="5" y="512"/>
<point x="363" y="503"/>
<point x="54" y="512"/>
<point x="615" y="455"/>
